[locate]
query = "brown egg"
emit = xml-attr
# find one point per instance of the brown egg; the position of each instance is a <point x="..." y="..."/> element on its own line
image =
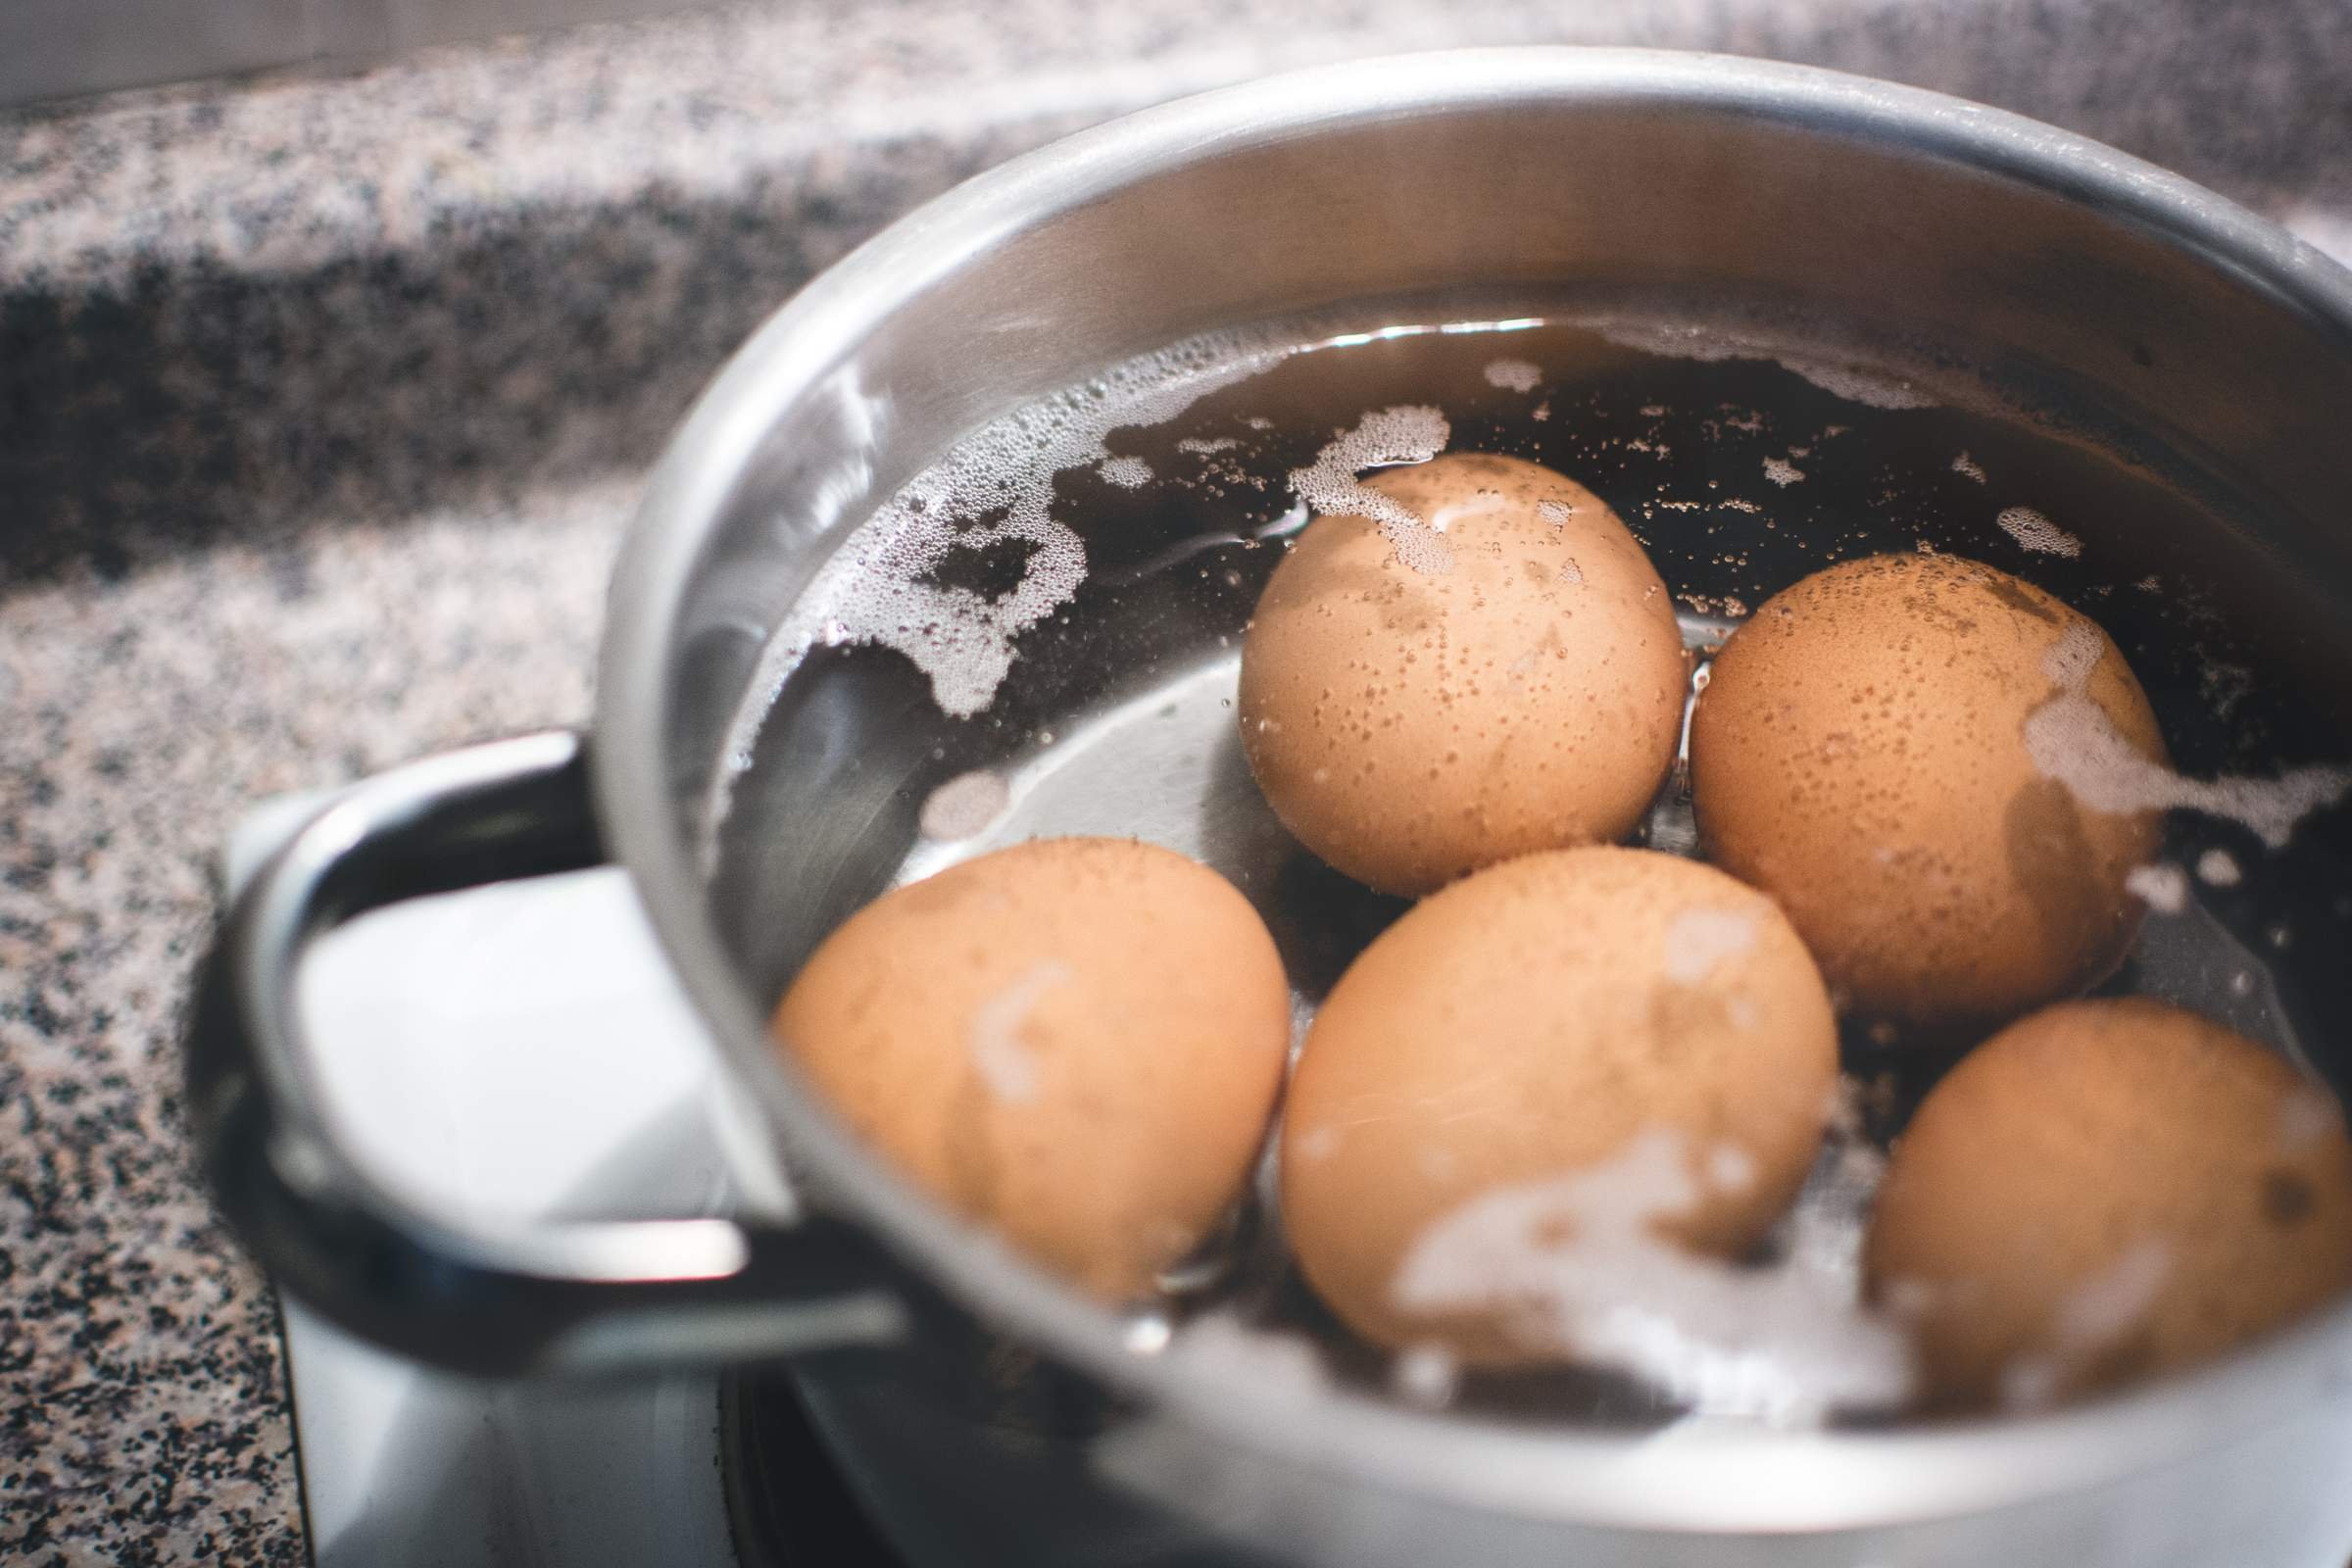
<point x="1859" y="753"/>
<point x="1075" y="1042"/>
<point x="1527" y="1024"/>
<point x="1409" y="726"/>
<point x="2105" y="1190"/>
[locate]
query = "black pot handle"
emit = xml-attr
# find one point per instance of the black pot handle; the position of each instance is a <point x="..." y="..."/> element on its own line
<point x="538" y="1298"/>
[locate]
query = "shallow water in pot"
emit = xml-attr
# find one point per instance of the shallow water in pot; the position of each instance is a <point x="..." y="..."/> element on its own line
<point x="1091" y="692"/>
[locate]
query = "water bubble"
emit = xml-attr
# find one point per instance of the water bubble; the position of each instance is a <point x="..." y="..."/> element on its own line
<point x="2218" y="868"/>
<point x="2034" y="532"/>
<point x="1513" y="375"/>
<point x="964" y="806"/>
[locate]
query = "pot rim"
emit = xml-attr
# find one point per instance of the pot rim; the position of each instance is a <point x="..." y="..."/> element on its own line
<point x="1713" y="1477"/>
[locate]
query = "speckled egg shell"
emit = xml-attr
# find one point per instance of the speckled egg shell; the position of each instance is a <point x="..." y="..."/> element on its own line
<point x="1859" y="753"/>
<point x="2106" y="1189"/>
<point x="1411" y="726"/>
<point x="1527" y="1024"/>
<point x="1074" y="1042"/>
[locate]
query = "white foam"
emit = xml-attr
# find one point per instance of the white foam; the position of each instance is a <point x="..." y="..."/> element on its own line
<point x="1697" y="940"/>
<point x="2218" y="868"/>
<point x="1968" y="468"/>
<point x="2104" y="1311"/>
<point x="963" y="806"/>
<point x="1574" y="1267"/>
<point x="995" y="488"/>
<point x="2075" y="656"/>
<point x="1513" y="375"/>
<point x="2093" y="1317"/>
<point x="1555" y="512"/>
<point x="1826" y="1229"/>
<point x="2070" y="739"/>
<point x="1209" y="445"/>
<point x="2162" y="888"/>
<point x="2037" y="533"/>
<point x="1405" y="433"/>
<point x="1674" y="340"/>
<point x="1006" y="1067"/>
<point x="1874" y="389"/>
<point x="1783" y="472"/>
<point x="1871" y="388"/>
<point x="1128" y="474"/>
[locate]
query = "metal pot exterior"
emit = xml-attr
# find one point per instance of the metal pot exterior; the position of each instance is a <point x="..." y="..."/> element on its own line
<point x="953" y="1490"/>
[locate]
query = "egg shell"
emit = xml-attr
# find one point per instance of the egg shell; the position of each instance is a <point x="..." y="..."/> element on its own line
<point x="1409" y="726"/>
<point x="1074" y="1042"/>
<point x="1528" y="1023"/>
<point x="1859" y="753"/>
<point x="2105" y="1190"/>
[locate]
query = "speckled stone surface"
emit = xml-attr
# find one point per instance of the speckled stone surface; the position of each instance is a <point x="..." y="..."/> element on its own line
<point x="323" y="403"/>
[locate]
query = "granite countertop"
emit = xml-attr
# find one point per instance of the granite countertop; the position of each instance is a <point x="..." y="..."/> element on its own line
<point x="326" y="399"/>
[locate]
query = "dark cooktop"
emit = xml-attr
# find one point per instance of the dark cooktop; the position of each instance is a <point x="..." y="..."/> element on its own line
<point x="788" y="1503"/>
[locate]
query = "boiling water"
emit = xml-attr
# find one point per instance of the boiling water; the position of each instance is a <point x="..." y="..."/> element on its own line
<point x="1041" y="636"/>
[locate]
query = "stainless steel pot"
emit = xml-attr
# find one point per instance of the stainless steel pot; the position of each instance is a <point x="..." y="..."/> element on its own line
<point x="1813" y="194"/>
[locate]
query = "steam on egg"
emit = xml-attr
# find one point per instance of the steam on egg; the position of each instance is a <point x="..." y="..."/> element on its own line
<point x="1074" y="1042"/>
<point x="1507" y="680"/>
